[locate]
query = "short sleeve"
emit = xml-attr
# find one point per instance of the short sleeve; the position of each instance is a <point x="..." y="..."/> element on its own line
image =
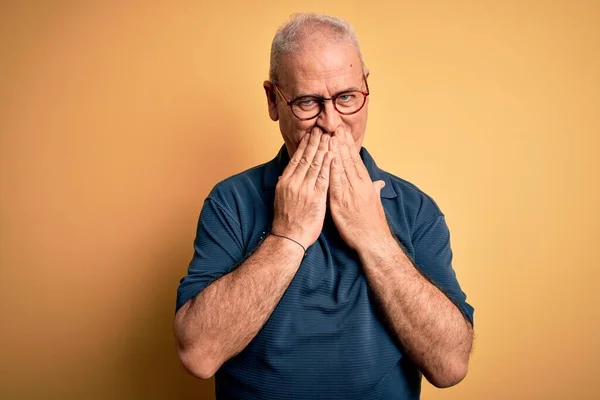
<point x="217" y="250"/>
<point x="433" y="257"/>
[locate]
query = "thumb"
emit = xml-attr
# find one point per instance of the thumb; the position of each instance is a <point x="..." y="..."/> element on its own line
<point x="378" y="186"/>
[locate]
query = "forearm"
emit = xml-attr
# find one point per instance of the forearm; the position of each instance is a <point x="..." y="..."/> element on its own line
<point x="432" y="330"/>
<point x="221" y="321"/>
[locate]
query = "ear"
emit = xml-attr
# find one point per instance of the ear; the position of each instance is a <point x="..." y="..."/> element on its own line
<point x="271" y="100"/>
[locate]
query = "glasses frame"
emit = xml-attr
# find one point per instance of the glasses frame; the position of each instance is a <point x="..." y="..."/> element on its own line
<point x="322" y="100"/>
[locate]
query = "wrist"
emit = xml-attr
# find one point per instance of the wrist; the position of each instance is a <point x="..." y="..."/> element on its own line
<point x="377" y="247"/>
<point x="289" y="243"/>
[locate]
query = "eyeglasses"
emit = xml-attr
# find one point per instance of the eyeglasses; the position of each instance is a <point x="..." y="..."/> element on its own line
<point x="309" y="107"/>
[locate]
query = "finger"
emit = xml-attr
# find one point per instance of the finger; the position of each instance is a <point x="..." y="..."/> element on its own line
<point x="334" y="146"/>
<point x="355" y="155"/>
<point x="306" y="159"/>
<point x="295" y="160"/>
<point x="316" y="164"/>
<point x="346" y="158"/>
<point x="336" y="177"/>
<point x="379" y="185"/>
<point x="322" y="183"/>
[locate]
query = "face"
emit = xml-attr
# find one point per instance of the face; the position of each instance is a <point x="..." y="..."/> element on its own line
<point x="321" y="69"/>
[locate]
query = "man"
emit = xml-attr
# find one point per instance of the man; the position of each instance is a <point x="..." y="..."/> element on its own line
<point x="317" y="274"/>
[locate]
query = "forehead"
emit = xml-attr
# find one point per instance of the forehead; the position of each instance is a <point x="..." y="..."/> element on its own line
<point x="321" y="67"/>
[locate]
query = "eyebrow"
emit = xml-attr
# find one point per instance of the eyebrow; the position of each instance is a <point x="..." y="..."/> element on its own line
<point x="351" y="89"/>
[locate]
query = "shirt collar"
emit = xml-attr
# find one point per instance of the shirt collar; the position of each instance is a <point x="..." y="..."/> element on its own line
<point x="275" y="167"/>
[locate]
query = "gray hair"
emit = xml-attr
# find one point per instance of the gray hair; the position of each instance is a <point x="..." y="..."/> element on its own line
<point x="289" y="36"/>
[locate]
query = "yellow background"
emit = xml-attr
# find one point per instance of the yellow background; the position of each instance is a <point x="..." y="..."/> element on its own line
<point x="118" y="117"/>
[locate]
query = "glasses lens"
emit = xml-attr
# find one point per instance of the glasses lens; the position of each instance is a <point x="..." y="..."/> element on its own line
<point x="307" y="107"/>
<point x="349" y="102"/>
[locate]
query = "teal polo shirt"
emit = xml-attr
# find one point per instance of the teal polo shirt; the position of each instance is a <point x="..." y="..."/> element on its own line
<point x="327" y="338"/>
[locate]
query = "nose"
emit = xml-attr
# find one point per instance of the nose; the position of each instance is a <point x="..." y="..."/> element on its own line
<point x="329" y="119"/>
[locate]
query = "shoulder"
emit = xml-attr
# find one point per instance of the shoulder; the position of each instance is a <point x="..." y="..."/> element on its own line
<point x="240" y="187"/>
<point x="416" y="204"/>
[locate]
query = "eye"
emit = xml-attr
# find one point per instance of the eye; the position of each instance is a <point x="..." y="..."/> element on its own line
<point x="346" y="97"/>
<point x="307" y="103"/>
